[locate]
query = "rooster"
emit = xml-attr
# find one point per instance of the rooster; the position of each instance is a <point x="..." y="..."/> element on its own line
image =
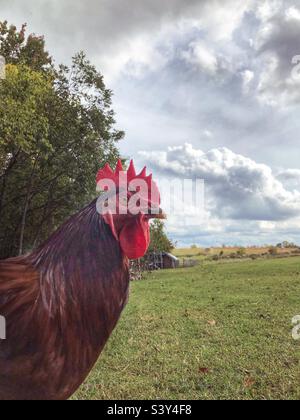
<point x="62" y="302"/>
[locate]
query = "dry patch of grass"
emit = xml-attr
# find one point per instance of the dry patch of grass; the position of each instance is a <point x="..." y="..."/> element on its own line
<point x="226" y="253"/>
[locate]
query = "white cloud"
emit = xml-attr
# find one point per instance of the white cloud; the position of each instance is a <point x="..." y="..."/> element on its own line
<point x="222" y="19"/>
<point x="245" y="201"/>
<point x="238" y="188"/>
<point x="138" y="56"/>
<point x="247" y="76"/>
<point x="276" y="43"/>
<point x="292" y="14"/>
<point x="289" y="174"/>
<point x="265" y="66"/>
<point x="267" y="9"/>
<point x="200" y="55"/>
<point x="269" y="83"/>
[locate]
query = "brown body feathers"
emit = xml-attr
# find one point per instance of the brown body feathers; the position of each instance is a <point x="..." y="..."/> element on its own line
<point x="61" y="304"/>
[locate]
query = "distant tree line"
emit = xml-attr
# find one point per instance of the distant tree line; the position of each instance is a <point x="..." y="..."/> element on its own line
<point x="286" y="245"/>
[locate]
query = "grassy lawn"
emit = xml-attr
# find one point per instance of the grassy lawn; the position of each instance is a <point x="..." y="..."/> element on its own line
<point x="215" y="331"/>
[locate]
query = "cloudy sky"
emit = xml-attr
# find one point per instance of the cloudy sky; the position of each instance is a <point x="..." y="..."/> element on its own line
<point x="204" y="89"/>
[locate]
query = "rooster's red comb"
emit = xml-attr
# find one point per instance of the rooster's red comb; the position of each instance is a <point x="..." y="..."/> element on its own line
<point x="108" y="173"/>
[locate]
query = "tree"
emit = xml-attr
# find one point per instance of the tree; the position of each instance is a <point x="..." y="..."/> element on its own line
<point x="23" y="139"/>
<point x="16" y="48"/>
<point x="56" y="130"/>
<point x="159" y="239"/>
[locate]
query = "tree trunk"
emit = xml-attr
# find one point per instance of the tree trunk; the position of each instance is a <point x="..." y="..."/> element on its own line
<point x="23" y="224"/>
<point x="26" y="207"/>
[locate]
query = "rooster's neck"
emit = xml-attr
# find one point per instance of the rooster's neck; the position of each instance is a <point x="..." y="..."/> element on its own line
<point x="81" y="256"/>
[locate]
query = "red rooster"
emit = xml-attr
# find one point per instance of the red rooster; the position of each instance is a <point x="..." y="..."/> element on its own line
<point x="62" y="302"/>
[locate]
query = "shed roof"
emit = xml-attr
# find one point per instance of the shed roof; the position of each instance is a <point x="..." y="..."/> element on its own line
<point x="167" y="254"/>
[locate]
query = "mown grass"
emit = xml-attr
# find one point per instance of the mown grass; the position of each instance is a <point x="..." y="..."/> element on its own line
<point x="215" y="331"/>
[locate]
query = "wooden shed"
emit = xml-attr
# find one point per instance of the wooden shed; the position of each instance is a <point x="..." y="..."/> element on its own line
<point x="152" y="262"/>
<point x="162" y="261"/>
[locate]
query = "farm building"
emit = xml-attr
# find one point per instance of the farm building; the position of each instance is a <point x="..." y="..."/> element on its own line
<point x="162" y="261"/>
<point x="152" y="262"/>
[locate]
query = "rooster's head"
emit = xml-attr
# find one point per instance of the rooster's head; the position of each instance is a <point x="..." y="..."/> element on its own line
<point x="127" y="204"/>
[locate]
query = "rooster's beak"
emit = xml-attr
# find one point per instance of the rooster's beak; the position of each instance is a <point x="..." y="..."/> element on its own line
<point x="158" y="214"/>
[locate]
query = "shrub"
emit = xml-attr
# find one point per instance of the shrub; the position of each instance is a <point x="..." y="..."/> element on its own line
<point x="201" y="254"/>
<point x="273" y="250"/>
<point x="241" y="252"/>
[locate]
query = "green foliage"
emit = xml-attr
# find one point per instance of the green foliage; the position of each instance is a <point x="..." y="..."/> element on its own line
<point x="56" y="131"/>
<point x="16" y="48"/>
<point x="23" y="124"/>
<point x="159" y="239"/>
<point x="241" y="252"/>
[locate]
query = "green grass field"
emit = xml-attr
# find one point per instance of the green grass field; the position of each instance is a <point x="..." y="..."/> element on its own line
<point x="215" y="331"/>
